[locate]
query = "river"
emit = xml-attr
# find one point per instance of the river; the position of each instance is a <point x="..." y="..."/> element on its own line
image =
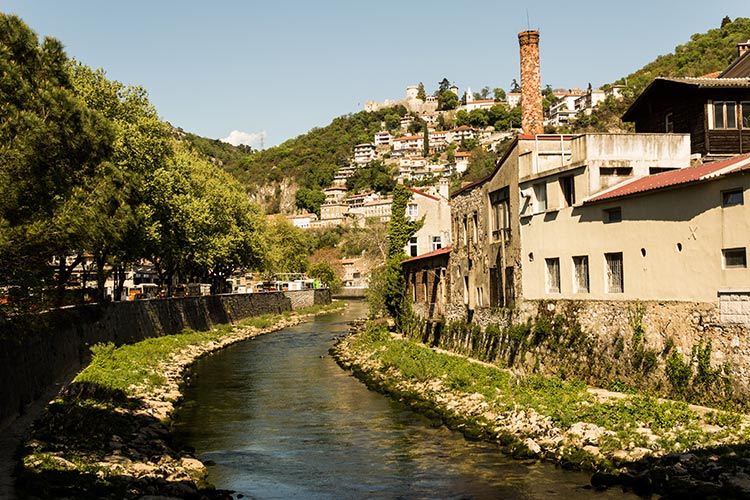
<point x="276" y="418"/>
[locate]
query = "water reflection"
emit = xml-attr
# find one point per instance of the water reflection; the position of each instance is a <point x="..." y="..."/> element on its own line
<point x="280" y="420"/>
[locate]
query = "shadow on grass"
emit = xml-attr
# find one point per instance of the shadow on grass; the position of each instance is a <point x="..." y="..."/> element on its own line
<point x="718" y="472"/>
<point x="92" y="443"/>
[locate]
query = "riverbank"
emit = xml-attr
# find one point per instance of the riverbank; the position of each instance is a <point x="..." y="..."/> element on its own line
<point x="107" y="434"/>
<point x="636" y="441"/>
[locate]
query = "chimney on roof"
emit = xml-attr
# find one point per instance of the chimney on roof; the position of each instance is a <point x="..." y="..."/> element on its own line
<point x="532" y="118"/>
<point x="743" y="48"/>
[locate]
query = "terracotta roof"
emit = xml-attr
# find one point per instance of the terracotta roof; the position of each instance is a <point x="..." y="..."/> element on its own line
<point x="675" y="178"/>
<point x="462" y="153"/>
<point x="462" y="127"/>
<point x="434" y="253"/>
<point x="417" y="191"/>
<point x="711" y="75"/>
<point x="480" y="101"/>
<point x="722" y="83"/>
<point x="409" y="138"/>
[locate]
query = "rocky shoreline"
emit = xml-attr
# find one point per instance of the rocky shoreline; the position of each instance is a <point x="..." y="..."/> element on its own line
<point x="137" y="457"/>
<point x="721" y="471"/>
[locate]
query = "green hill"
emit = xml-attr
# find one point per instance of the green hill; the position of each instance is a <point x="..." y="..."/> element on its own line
<point x="705" y="53"/>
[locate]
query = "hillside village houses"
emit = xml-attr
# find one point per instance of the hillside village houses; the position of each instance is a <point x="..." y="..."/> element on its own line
<point x="658" y="219"/>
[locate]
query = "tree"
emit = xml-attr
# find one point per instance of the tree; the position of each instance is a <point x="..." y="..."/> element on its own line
<point x="443" y="86"/>
<point x="110" y="197"/>
<point x="485" y="92"/>
<point x="421" y="94"/>
<point x="309" y="200"/>
<point x="725" y="21"/>
<point x="324" y="272"/>
<point x="426" y="142"/>
<point x="499" y="94"/>
<point x="287" y="248"/>
<point x="50" y="143"/>
<point x="447" y="100"/>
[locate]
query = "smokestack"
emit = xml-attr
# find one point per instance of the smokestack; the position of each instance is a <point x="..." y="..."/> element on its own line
<point x="532" y="118"/>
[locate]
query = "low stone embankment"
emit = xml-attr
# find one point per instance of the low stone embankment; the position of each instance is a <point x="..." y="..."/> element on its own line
<point x="636" y="442"/>
<point x="94" y="444"/>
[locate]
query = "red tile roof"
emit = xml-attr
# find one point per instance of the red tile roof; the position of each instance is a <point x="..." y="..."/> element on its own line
<point x="417" y="191"/>
<point x="434" y="253"/>
<point x="675" y="178"/>
<point x="409" y="138"/>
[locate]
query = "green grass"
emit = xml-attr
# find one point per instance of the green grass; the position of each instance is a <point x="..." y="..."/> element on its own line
<point x="675" y="425"/>
<point x="138" y="365"/>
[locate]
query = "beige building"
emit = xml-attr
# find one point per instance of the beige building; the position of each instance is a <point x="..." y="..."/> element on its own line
<point x="434" y="208"/>
<point x="497" y="221"/>
<point x="679" y="235"/>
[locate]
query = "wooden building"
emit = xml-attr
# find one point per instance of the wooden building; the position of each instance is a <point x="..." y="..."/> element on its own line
<point x="714" y="111"/>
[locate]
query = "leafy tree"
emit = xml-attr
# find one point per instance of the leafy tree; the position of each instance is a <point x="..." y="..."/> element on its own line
<point x="287" y="248"/>
<point x="426" y="141"/>
<point x="376" y="177"/>
<point x="725" y="21"/>
<point x="324" y="272"/>
<point x="443" y="86"/>
<point x="50" y="143"/>
<point x="109" y="199"/>
<point x="417" y="125"/>
<point x="309" y="200"/>
<point x="462" y="117"/>
<point x="447" y="100"/>
<point x="499" y="94"/>
<point x="421" y="94"/>
<point x="392" y="121"/>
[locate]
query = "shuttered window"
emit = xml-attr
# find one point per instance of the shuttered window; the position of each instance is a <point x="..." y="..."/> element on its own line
<point x="553" y="275"/>
<point x="615" y="281"/>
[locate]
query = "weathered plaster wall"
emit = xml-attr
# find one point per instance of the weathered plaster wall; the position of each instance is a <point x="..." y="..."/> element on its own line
<point x="41" y="350"/>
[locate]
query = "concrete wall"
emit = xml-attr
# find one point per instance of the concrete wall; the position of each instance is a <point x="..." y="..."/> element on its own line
<point x="41" y="350"/>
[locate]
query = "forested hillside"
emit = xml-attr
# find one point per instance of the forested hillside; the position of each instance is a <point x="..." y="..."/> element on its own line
<point x="705" y="53"/>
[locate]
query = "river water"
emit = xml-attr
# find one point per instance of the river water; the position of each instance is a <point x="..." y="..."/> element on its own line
<point x="276" y="418"/>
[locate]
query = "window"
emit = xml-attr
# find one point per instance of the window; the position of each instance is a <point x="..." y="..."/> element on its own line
<point x="731" y="197"/>
<point x="500" y="206"/>
<point x="437" y="243"/>
<point x="745" y="113"/>
<point x="581" y="274"/>
<point x="413" y="246"/>
<point x="475" y="228"/>
<point x="669" y="123"/>
<point x="466" y="229"/>
<point x="568" y="188"/>
<point x="412" y="211"/>
<point x="734" y="258"/>
<point x="615" y="282"/>
<point x="553" y="275"/>
<point x="540" y="197"/>
<point x="725" y="115"/>
<point x="612" y="215"/>
<point x="480" y="296"/>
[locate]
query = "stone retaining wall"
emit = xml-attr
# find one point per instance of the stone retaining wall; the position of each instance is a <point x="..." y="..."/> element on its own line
<point x="597" y="341"/>
<point x="38" y="351"/>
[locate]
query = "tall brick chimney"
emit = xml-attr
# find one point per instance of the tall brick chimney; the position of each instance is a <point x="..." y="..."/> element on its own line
<point x="532" y="118"/>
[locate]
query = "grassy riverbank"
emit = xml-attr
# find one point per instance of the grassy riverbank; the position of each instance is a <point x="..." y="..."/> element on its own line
<point x="551" y="418"/>
<point x="107" y="434"/>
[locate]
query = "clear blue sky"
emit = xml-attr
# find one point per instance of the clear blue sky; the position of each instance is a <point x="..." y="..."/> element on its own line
<point x="285" y="67"/>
